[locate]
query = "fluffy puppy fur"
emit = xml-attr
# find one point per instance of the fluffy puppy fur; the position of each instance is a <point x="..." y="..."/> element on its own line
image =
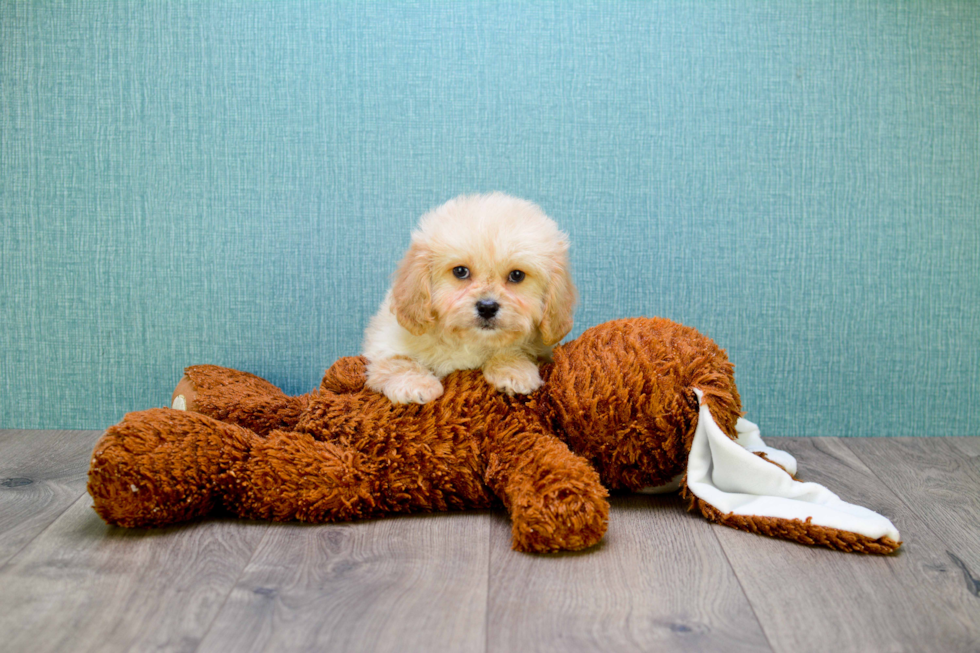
<point x="484" y="285"/>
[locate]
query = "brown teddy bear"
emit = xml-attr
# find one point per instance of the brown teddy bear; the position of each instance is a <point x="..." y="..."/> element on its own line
<point x="630" y="405"/>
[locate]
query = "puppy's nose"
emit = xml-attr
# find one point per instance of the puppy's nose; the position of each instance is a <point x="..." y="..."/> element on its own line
<point x="487" y="308"/>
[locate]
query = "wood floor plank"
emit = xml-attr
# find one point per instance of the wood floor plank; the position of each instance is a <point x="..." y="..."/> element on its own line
<point x="658" y="581"/>
<point x="813" y="599"/>
<point x="85" y="586"/>
<point x="941" y="486"/>
<point x="968" y="445"/>
<point x="412" y="583"/>
<point x="41" y="474"/>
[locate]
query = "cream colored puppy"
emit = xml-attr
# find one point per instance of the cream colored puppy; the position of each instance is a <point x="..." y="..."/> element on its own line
<point x="484" y="285"/>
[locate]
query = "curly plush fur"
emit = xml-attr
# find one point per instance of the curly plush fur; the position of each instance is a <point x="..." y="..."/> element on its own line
<point x="616" y="411"/>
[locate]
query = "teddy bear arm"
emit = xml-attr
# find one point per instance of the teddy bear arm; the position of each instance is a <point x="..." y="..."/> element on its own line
<point x="555" y="498"/>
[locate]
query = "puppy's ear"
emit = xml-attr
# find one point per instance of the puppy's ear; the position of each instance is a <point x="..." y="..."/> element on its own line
<point x="559" y="304"/>
<point x="411" y="292"/>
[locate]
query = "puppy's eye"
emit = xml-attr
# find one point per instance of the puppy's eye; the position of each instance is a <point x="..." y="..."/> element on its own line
<point x="461" y="272"/>
<point x="515" y="276"/>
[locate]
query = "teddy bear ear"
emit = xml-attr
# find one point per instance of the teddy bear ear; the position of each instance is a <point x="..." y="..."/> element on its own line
<point x="411" y="292"/>
<point x="559" y="304"/>
<point x="744" y="484"/>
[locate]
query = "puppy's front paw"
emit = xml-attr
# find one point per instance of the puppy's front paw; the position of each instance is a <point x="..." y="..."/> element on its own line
<point x="515" y="376"/>
<point x="413" y="390"/>
<point x="403" y="381"/>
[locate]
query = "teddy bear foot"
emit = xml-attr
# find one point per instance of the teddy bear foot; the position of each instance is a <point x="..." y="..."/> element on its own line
<point x="147" y="471"/>
<point x="184" y="396"/>
<point x="562" y="520"/>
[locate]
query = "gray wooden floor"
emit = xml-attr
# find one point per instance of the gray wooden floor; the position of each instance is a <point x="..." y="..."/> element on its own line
<point x="662" y="580"/>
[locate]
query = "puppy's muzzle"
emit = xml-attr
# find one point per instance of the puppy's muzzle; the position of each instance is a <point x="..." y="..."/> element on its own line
<point x="487" y="309"/>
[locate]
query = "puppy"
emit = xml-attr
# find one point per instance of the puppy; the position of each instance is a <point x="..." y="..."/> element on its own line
<point x="486" y="285"/>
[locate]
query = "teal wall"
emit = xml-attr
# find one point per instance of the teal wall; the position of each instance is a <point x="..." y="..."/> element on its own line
<point x="233" y="183"/>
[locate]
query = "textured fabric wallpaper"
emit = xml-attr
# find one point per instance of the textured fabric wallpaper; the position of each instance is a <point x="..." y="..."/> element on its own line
<point x="233" y="183"/>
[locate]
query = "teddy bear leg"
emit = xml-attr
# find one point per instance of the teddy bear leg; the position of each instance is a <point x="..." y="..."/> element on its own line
<point x="163" y="466"/>
<point x="237" y="397"/>
<point x="292" y="476"/>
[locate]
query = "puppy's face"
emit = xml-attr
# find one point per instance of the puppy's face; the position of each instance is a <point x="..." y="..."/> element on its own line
<point x="492" y="268"/>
